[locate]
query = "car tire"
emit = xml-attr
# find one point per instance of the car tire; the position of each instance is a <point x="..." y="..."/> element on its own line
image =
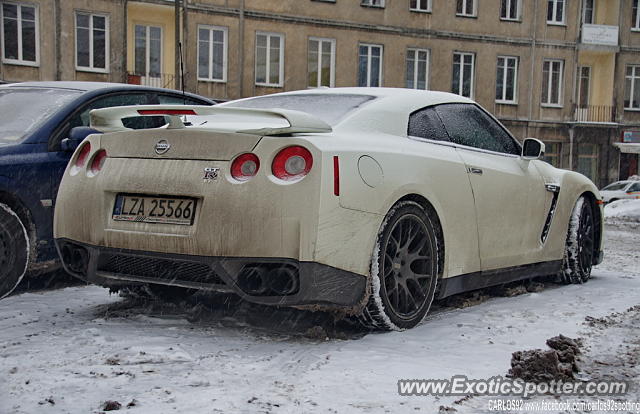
<point x="14" y="250"/>
<point x="580" y="244"/>
<point x="404" y="269"/>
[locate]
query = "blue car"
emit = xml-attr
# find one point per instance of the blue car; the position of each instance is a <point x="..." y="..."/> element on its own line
<point x="41" y="124"/>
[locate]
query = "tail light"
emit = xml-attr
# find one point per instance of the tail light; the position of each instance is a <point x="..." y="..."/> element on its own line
<point x="292" y="163"/>
<point x="81" y="160"/>
<point x="98" y="161"/>
<point x="245" y="166"/>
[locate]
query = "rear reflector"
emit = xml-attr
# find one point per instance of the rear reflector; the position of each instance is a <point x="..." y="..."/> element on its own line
<point x="167" y="112"/>
<point x="336" y="175"/>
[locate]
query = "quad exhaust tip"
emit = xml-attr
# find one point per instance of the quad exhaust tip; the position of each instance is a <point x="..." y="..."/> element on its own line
<point x="268" y="280"/>
<point x="76" y="258"/>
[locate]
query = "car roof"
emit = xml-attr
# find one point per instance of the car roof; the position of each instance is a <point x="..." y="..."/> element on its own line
<point x="95" y="86"/>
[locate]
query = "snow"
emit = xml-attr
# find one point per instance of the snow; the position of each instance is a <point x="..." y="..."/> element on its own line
<point x="70" y="350"/>
<point x="628" y="210"/>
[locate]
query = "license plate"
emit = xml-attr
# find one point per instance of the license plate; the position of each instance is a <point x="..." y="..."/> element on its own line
<point x="146" y="209"/>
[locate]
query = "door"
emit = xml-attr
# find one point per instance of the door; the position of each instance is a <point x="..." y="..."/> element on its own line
<point x="584" y="83"/>
<point x="509" y="193"/>
<point x="148" y="55"/>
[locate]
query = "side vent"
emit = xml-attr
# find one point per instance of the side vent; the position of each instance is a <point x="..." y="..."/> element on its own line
<point x="555" y="189"/>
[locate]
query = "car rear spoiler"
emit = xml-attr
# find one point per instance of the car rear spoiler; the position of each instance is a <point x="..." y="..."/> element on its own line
<point x="110" y="119"/>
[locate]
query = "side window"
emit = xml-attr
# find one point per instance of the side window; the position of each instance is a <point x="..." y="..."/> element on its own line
<point x="635" y="187"/>
<point x="81" y="117"/>
<point x="467" y="125"/>
<point x="425" y="123"/>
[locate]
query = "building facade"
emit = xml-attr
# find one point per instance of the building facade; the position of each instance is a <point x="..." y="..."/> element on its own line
<point x="564" y="71"/>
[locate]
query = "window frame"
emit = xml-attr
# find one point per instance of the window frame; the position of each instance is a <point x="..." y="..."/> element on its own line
<point x="418" y="9"/>
<point x="415" y="67"/>
<point x="635" y="83"/>
<point x="584" y="11"/>
<point x="147" y="49"/>
<point x="20" y="61"/>
<point x="474" y="8"/>
<point x="557" y="155"/>
<point x="593" y="156"/>
<point x="503" y="101"/>
<point x="461" y="80"/>
<point x="370" y="3"/>
<point x="370" y="47"/>
<point x="91" y="68"/>
<point x="225" y="53"/>
<point x="268" y="84"/>
<point x="560" y="103"/>
<point x="555" y="21"/>
<point x="518" y="17"/>
<point x="635" y="20"/>
<point x="332" y="67"/>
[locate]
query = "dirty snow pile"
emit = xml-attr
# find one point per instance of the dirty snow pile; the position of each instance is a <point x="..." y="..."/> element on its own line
<point x="622" y="211"/>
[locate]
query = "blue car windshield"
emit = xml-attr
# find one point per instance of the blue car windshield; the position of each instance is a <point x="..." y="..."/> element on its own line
<point x="23" y="109"/>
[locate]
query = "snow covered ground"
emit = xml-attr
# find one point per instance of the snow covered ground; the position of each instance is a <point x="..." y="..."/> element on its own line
<point x="73" y="349"/>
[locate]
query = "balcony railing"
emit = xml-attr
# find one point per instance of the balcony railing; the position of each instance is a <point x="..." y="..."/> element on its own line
<point x="158" y="80"/>
<point x="595" y="113"/>
<point x="599" y="34"/>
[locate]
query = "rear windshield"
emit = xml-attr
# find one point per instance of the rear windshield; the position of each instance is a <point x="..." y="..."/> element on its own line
<point x="22" y="110"/>
<point x="328" y="107"/>
<point x="615" y="187"/>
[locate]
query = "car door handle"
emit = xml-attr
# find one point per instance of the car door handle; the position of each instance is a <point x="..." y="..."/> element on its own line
<point x="474" y="170"/>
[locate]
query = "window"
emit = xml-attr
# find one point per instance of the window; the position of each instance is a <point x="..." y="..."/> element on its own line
<point x="148" y="51"/>
<point x="466" y="124"/>
<point x="425" y="123"/>
<point x="212" y="53"/>
<point x="420" y="5"/>
<point x="466" y="8"/>
<point x="20" y="43"/>
<point x="463" y="73"/>
<point x="92" y="42"/>
<point x="507" y="79"/>
<point x="322" y="62"/>
<point x="635" y="16"/>
<point x="552" y="82"/>
<point x="369" y="65"/>
<point x="555" y="12"/>
<point x="584" y="76"/>
<point x="588" y="160"/>
<point x="510" y="10"/>
<point x="634" y="188"/>
<point x="587" y="12"/>
<point x="553" y="154"/>
<point x="632" y="87"/>
<point x="269" y="59"/>
<point x="372" y="3"/>
<point x="417" y="69"/>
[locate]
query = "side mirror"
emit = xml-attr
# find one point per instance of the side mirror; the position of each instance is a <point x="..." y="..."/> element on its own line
<point x="533" y="149"/>
<point x="76" y="136"/>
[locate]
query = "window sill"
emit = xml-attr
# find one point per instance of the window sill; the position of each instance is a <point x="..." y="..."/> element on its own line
<point x="270" y="85"/>
<point x="561" y="24"/>
<point x="420" y="11"/>
<point x="510" y="103"/>
<point x="20" y="63"/>
<point x="212" y="80"/>
<point x="635" y="29"/>
<point x="91" y="70"/>
<point x="632" y="109"/>
<point x="371" y="6"/>
<point x="468" y="16"/>
<point x="507" y="20"/>
<point x="552" y="106"/>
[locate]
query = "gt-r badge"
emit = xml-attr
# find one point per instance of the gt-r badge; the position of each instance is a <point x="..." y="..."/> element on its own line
<point x="162" y="146"/>
<point x="211" y="174"/>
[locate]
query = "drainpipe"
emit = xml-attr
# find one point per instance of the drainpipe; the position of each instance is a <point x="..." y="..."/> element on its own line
<point x="57" y="54"/>
<point x="533" y="63"/>
<point x="241" y="49"/>
<point x="571" y="132"/>
<point x="177" y="50"/>
<point x="125" y="55"/>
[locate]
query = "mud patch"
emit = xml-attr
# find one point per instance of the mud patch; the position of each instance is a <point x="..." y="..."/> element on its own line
<point x="557" y="363"/>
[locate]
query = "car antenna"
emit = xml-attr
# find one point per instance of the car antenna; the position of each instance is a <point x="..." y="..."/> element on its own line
<point x="184" y="96"/>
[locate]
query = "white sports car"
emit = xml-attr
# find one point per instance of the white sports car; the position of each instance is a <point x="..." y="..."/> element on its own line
<point x="366" y="201"/>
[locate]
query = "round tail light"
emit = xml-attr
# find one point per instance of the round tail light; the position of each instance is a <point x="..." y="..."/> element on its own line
<point x="81" y="160"/>
<point x="245" y="166"/>
<point x="98" y="161"/>
<point x="292" y="163"/>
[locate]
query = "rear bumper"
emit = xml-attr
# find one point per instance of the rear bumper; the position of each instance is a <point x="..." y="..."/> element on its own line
<point x="311" y="285"/>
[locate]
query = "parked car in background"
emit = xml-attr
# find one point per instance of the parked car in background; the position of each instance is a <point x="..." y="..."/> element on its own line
<point x="364" y="201"/>
<point x="621" y="190"/>
<point x="38" y="133"/>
